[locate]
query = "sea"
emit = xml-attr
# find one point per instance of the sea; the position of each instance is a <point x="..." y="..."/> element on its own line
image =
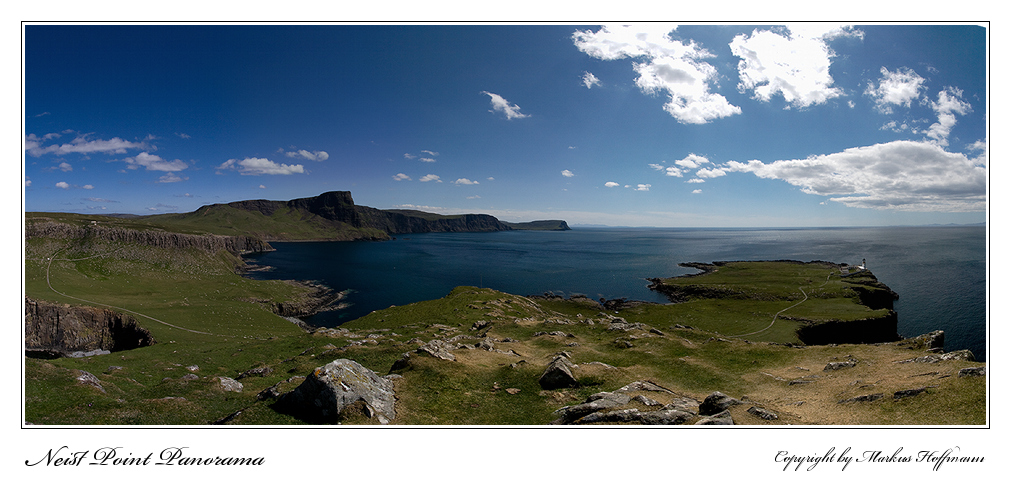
<point x="939" y="272"/>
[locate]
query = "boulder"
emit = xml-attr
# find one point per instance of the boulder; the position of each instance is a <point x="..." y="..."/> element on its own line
<point x="340" y="386"/>
<point x="908" y="393"/>
<point x="959" y="355"/>
<point x="716" y="403"/>
<point x="89" y="379"/>
<point x="229" y="384"/>
<point x="722" y="418"/>
<point x="558" y="374"/>
<point x="763" y="413"/>
<point x="863" y="398"/>
<point x="973" y="371"/>
<point x="439" y="349"/>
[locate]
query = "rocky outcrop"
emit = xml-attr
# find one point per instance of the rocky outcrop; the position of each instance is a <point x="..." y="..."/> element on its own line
<point x="53" y="330"/>
<point x="863" y="331"/>
<point x="209" y="243"/>
<point x="558" y="374"/>
<point x="333" y="392"/>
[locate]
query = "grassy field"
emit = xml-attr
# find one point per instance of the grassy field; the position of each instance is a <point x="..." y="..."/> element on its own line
<point x="211" y="322"/>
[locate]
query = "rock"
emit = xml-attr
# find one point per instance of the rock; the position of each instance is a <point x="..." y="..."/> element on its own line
<point x="908" y="393"/>
<point x="229" y="384"/>
<point x="835" y="366"/>
<point x="973" y="371"/>
<point x="438" y="349"/>
<point x="722" y="418"/>
<point x="194" y="368"/>
<point x="260" y="372"/>
<point x="53" y="329"/>
<point x="342" y="385"/>
<point x="89" y="379"/>
<point x="649" y="402"/>
<point x="512" y="391"/>
<point x="666" y="416"/>
<point x="558" y="374"/>
<point x="268" y="394"/>
<point x="716" y="403"/>
<point x="573" y="413"/>
<point x="762" y="413"/>
<point x="959" y="355"/>
<point x="486" y="344"/>
<point x="190" y="377"/>
<point x="683" y="404"/>
<point x="643" y="386"/>
<point x="479" y="324"/>
<point x="618" y="398"/>
<point x="864" y="398"/>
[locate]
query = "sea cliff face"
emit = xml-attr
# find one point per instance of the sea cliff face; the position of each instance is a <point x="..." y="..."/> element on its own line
<point x="163" y="239"/>
<point x="53" y="329"/>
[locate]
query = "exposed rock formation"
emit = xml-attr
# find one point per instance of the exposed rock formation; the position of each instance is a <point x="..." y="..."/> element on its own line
<point x="53" y="330"/>
<point x="558" y="374"/>
<point x="163" y="239"/>
<point x="338" y="387"/>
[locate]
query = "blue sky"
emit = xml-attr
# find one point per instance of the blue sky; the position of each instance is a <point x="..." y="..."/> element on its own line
<point x="646" y="124"/>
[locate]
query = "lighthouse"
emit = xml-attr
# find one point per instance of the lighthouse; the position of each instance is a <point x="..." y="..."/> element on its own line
<point x="863" y="264"/>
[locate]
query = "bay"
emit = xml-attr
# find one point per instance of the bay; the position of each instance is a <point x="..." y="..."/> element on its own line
<point x="939" y="272"/>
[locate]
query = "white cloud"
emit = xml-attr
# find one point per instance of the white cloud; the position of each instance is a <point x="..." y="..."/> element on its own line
<point x="28" y="182"/>
<point x="81" y="144"/>
<point x="949" y="102"/>
<point x="589" y="79"/>
<point x="568" y="173"/>
<point x="491" y="178"/>
<point x="643" y="187"/>
<point x="260" y="166"/>
<point x="430" y="152"/>
<point x="171" y="177"/>
<point x="87" y="186"/>
<point x="611" y="184"/>
<point x="794" y="64"/>
<point x="465" y="182"/>
<point x="697" y="191"/>
<point x="426" y="160"/>
<point x="430" y="178"/>
<point x="695" y="181"/>
<point x="709" y="173"/>
<point x="183" y="136"/>
<point x="314" y="156"/>
<point x="667" y="65"/>
<point x="474" y="197"/>
<point x="154" y="162"/>
<point x="63" y="185"/>
<point x="400" y="177"/>
<point x="499" y="104"/>
<point x="261" y="187"/>
<point x="66" y="167"/>
<point x="692" y="161"/>
<point x="429" y="209"/>
<point x="410" y="156"/>
<point x="899" y="88"/>
<point x="899" y="175"/>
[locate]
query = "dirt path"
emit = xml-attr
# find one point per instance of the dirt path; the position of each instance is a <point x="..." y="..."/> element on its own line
<point x="776" y="316"/>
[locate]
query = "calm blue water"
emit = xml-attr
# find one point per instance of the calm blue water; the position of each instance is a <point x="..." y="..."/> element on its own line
<point x="939" y="272"/>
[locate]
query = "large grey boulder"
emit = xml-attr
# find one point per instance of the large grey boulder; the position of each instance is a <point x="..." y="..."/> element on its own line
<point x="716" y="403"/>
<point x="558" y="374"/>
<point x="722" y="418"/>
<point x="340" y="386"/>
<point x="439" y="349"/>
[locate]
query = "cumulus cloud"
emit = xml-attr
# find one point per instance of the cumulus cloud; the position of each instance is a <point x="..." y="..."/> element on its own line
<point x="665" y="66"/>
<point x="697" y="191"/>
<point x="66" y="167"/>
<point x="568" y="173"/>
<point x="260" y="166"/>
<point x="793" y="63"/>
<point x="63" y="185"/>
<point x="154" y="162"/>
<point x="313" y="156"/>
<point x="87" y="186"/>
<point x="401" y="176"/>
<point x="949" y="102"/>
<point x="692" y="161"/>
<point x="695" y="181"/>
<point x="430" y="178"/>
<point x="898" y="88"/>
<point x="499" y="104"/>
<point x="171" y="177"/>
<point x="589" y="79"/>
<point x="611" y="184"/>
<point x="465" y="182"/>
<point x="899" y="175"/>
<point x="643" y="187"/>
<point x="81" y="144"/>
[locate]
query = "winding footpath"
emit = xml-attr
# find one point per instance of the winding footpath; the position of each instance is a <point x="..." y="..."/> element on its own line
<point x="48" y="283"/>
<point x="776" y="316"/>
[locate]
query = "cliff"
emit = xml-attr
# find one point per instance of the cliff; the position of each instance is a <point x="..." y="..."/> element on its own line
<point x="46" y="228"/>
<point x="55" y="329"/>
